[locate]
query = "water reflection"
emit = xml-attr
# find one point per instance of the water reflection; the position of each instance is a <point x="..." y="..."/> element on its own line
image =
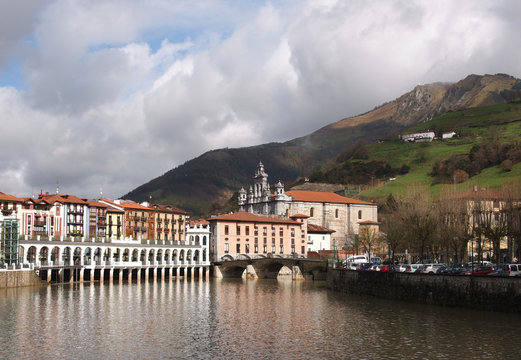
<point x="239" y="319"/>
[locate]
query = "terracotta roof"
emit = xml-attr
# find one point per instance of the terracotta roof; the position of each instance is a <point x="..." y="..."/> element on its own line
<point x="323" y="197"/>
<point x="94" y="203"/>
<point x="11" y="198"/>
<point x="368" y="222"/>
<point x="480" y="194"/>
<point x="64" y="199"/>
<point x="243" y="216"/>
<point x="199" y="222"/>
<point x="112" y="209"/>
<point x="169" y="208"/>
<point x="319" y="229"/>
<point x="127" y="205"/>
<point x="299" y="216"/>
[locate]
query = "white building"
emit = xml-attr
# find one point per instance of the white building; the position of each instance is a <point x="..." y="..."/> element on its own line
<point x="419" y="136"/>
<point x="319" y="238"/>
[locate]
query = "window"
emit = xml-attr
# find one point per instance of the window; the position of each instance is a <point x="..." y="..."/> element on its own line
<point x="238" y="248"/>
<point x="256" y="249"/>
<point x="265" y="241"/>
<point x="265" y="230"/>
<point x="226" y="230"/>
<point x="281" y="231"/>
<point x="281" y="240"/>
<point x="273" y="241"/>
<point x="272" y="231"/>
<point x="238" y="230"/>
<point x="247" y="248"/>
<point x="303" y="249"/>
<point x="292" y="249"/>
<point x="359" y="214"/>
<point x="273" y="249"/>
<point x="336" y="213"/>
<point x="226" y="248"/>
<point x="281" y="249"/>
<point x="256" y="230"/>
<point x="311" y="212"/>
<point x="264" y="249"/>
<point x="292" y="231"/>
<point x="247" y="230"/>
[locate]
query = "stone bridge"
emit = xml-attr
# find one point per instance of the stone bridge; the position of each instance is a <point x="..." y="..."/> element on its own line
<point x="270" y="268"/>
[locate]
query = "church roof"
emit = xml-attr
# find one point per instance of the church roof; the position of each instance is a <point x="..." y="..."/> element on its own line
<point x="322" y="196"/>
<point x="243" y="216"/>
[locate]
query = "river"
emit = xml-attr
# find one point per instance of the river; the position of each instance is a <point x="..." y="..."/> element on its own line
<point x="239" y="319"/>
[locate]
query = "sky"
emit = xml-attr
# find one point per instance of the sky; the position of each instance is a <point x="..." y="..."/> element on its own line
<point x="100" y="97"/>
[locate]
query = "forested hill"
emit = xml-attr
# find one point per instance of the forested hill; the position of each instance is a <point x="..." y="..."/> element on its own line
<point x="210" y="180"/>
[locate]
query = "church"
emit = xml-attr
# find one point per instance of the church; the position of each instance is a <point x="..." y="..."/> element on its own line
<point x="326" y="209"/>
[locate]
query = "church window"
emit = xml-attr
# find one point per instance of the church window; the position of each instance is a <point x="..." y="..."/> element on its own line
<point x="311" y="212"/>
<point x="359" y="214"/>
<point x="336" y="213"/>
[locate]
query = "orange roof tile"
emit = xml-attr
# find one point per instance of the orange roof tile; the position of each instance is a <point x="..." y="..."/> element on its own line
<point x="94" y="203"/>
<point x="319" y="229"/>
<point x="198" y="222"/>
<point x="480" y="194"/>
<point x="11" y="198"/>
<point x="368" y="222"/>
<point x="243" y="216"/>
<point x="322" y="196"/>
<point x="64" y="199"/>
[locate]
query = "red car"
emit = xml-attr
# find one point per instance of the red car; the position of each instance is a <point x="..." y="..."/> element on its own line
<point x="482" y="270"/>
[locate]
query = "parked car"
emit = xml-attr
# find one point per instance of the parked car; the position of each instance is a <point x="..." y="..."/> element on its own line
<point x="407" y="268"/>
<point x="382" y="268"/>
<point x="402" y="268"/>
<point x="497" y="272"/>
<point x="417" y="268"/>
<point x="511" y="269"/>
<point x="480" y="270"/>
<point x="432" y="268"/>
<point x="366" y="266"/>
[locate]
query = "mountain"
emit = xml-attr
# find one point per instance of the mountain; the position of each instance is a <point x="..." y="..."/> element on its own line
<point x="209" y="180"/>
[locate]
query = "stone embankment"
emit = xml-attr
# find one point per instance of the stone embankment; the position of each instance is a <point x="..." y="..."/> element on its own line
<point x="475" y="292"/>
<point x="19" y="278"/>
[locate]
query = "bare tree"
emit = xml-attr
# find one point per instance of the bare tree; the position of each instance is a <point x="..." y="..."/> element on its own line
<point x="369" y="238"/>
<point x="454" y="225"/>
<point x="420" y="221"/>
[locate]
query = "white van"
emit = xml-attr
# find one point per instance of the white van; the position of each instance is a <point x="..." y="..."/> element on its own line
<point x="357" y="259"/>
<point x="512" y="270"/>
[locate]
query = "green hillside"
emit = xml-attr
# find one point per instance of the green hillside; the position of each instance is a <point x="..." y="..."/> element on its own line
<point x="500" y="124"/>
<point x="205" y="184"/>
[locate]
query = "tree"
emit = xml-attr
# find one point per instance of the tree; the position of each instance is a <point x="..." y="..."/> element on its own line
<point x="454" y="225"/>
<point x="417" y="215"/>
<point x="369" y="238"/>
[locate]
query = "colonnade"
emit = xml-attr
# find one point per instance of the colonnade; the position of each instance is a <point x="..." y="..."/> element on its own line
<point x="61" y="261"/>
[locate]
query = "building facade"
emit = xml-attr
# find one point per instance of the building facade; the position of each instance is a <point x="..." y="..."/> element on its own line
<point x="249" y="235"/>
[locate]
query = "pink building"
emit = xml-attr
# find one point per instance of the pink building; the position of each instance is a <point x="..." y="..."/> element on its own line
<point x="248" y="235"/>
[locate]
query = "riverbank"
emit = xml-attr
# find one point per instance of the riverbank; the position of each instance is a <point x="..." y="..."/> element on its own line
<point x="19" y="278"/>
<point x="475" y="292"/>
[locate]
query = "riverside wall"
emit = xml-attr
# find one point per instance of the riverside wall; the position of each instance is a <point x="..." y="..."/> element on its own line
<point x="19" y="278"/>
<point x="475" y="292"/>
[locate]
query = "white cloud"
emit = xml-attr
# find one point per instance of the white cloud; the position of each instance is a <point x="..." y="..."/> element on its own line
<point x="119" y="92"/>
